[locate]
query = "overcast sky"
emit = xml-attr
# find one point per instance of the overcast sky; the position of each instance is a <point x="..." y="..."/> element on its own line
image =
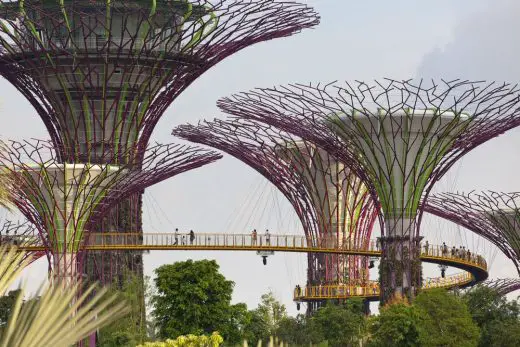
<point x="401" y="39"/>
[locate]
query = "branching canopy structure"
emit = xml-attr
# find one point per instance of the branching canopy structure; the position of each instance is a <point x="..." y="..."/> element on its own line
<point x="101" y="73"/>
<point x="399" y="137"/>
<point x="64" y="200"/>
<point x="503" y="286"/>
<point x="492" y="215"/>
<point x="332" y="204"/>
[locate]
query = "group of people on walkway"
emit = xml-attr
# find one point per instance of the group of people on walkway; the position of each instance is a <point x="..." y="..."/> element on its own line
<point x="191" y="237"/>
<point x="462" y="253"/>
<point x="254" y="237"/>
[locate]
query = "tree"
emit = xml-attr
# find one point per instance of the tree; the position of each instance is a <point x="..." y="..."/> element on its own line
<point x="340" y="325"/>
<point x="272" y="312"/>
<point x="193" y="297"/>
<point x="299" y="331"/>
<point x="128" y="331"/>
<point x="398" y="325"/>
<point x="447" y="321"/>
<point x="7" y="303"/>
<point x="256" y="328"/>
<point x="498" y="319"/>
<point x="214" y="340"/>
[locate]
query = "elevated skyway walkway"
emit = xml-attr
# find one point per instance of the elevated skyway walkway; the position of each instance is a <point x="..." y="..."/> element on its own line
<point x="474" y="265"/>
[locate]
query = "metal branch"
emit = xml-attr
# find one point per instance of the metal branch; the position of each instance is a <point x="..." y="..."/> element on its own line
<point x="503" y="286"/>
<point x="492" y="215"/>
<point x="329" y="200"/>
<point x="399" y="137"/>
<point x="101" y="73"/>
<point x="65" y="200"/>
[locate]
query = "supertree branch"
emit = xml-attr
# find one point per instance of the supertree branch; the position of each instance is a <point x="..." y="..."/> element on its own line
<point x="101" y="73"/>
<point x="332" y="204"/>
<point x="491" y="215"/>
<point x="399" y="137"/>
<point x="20" y="234"/>
<point x="503" y="286"/>
<point x="64" y="200"/>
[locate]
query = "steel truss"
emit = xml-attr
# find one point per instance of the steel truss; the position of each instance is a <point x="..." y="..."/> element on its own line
<point x="21" y="235"/>
<point x="101" y="73"/>
<point x="399" y="137"/>
<point x="65" y="200"/>
<point x="492" y="215"/>
<point x="332" y="204"/>
<point x="503" y="286"/>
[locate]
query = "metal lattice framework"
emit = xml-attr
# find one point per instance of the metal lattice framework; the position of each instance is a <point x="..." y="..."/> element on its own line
<point x="64" y="200"/>
<point x="503" y="286"/>
<point x="492" y="215"/>
<point x="101" y="73"/>
<point x="21" y="235"/>
<point x="332" y="204"/>
<point x="399" y="137"/>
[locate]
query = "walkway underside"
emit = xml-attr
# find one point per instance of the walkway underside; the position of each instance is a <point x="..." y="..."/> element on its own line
<point x="474" y="265"/>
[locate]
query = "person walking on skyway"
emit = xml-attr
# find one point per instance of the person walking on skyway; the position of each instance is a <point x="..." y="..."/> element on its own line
<point x="253" y="237"/>
<point x="176" y="237"/>
<point x="192" y="237"/>
<point x="267" y="237"/>
<point x="426" y="247"/>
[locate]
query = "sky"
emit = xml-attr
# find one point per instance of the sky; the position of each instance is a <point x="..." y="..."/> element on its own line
<point x="363" y="40"/>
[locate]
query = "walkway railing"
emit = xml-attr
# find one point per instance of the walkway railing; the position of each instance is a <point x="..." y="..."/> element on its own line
<point x="273" y="242"/>
<point x="371" y="289"/>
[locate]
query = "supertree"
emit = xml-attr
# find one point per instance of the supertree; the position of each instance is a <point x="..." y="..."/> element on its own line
<point x="503" y="286"/>
<point x="333" y="205"/>
<point x="101" y="73"/>
<point x="20" y="234"/>
<point x="399" y="137"/>
<point x="64" y="200"/>
<point x="492" y="215"/>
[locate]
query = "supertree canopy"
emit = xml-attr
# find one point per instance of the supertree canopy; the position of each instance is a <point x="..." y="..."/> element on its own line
<point x="332" y="204"/>
<point x="503" y="286"/>
<point x="492" y="215"/>
<point x="399" y="137"/>
<point x="100" y="73"/>
<point x="64" y="200"/>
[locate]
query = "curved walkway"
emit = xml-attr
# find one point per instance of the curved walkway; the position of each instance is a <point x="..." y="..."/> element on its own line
<point x="475" y="265"/>
<point x="371" y="290"/>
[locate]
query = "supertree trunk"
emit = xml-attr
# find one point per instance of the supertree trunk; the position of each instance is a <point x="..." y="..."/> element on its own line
<point x="64" y="200"/>
<point x="398" y="137"/>
<point x="101" y="73"/>
<point x="333" y="205"/>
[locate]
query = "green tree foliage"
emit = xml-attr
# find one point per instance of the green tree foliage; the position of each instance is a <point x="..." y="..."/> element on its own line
<point x="214" y="340"/>
<point x="447" y="320"/>
<point x="272" y="311"/>
<point x="298" y="331"/>
<point x="130" y="330"/>
<point x="397" y="325"/>
<point x="498" y="319"/>
<point x="256" y="328"/>
<point x="340" y="325"/>
<point x="436" y="318"/>
<point x="193" y="297"/>
<point x="264" y="321"/>
<point x="6" y="306"/>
